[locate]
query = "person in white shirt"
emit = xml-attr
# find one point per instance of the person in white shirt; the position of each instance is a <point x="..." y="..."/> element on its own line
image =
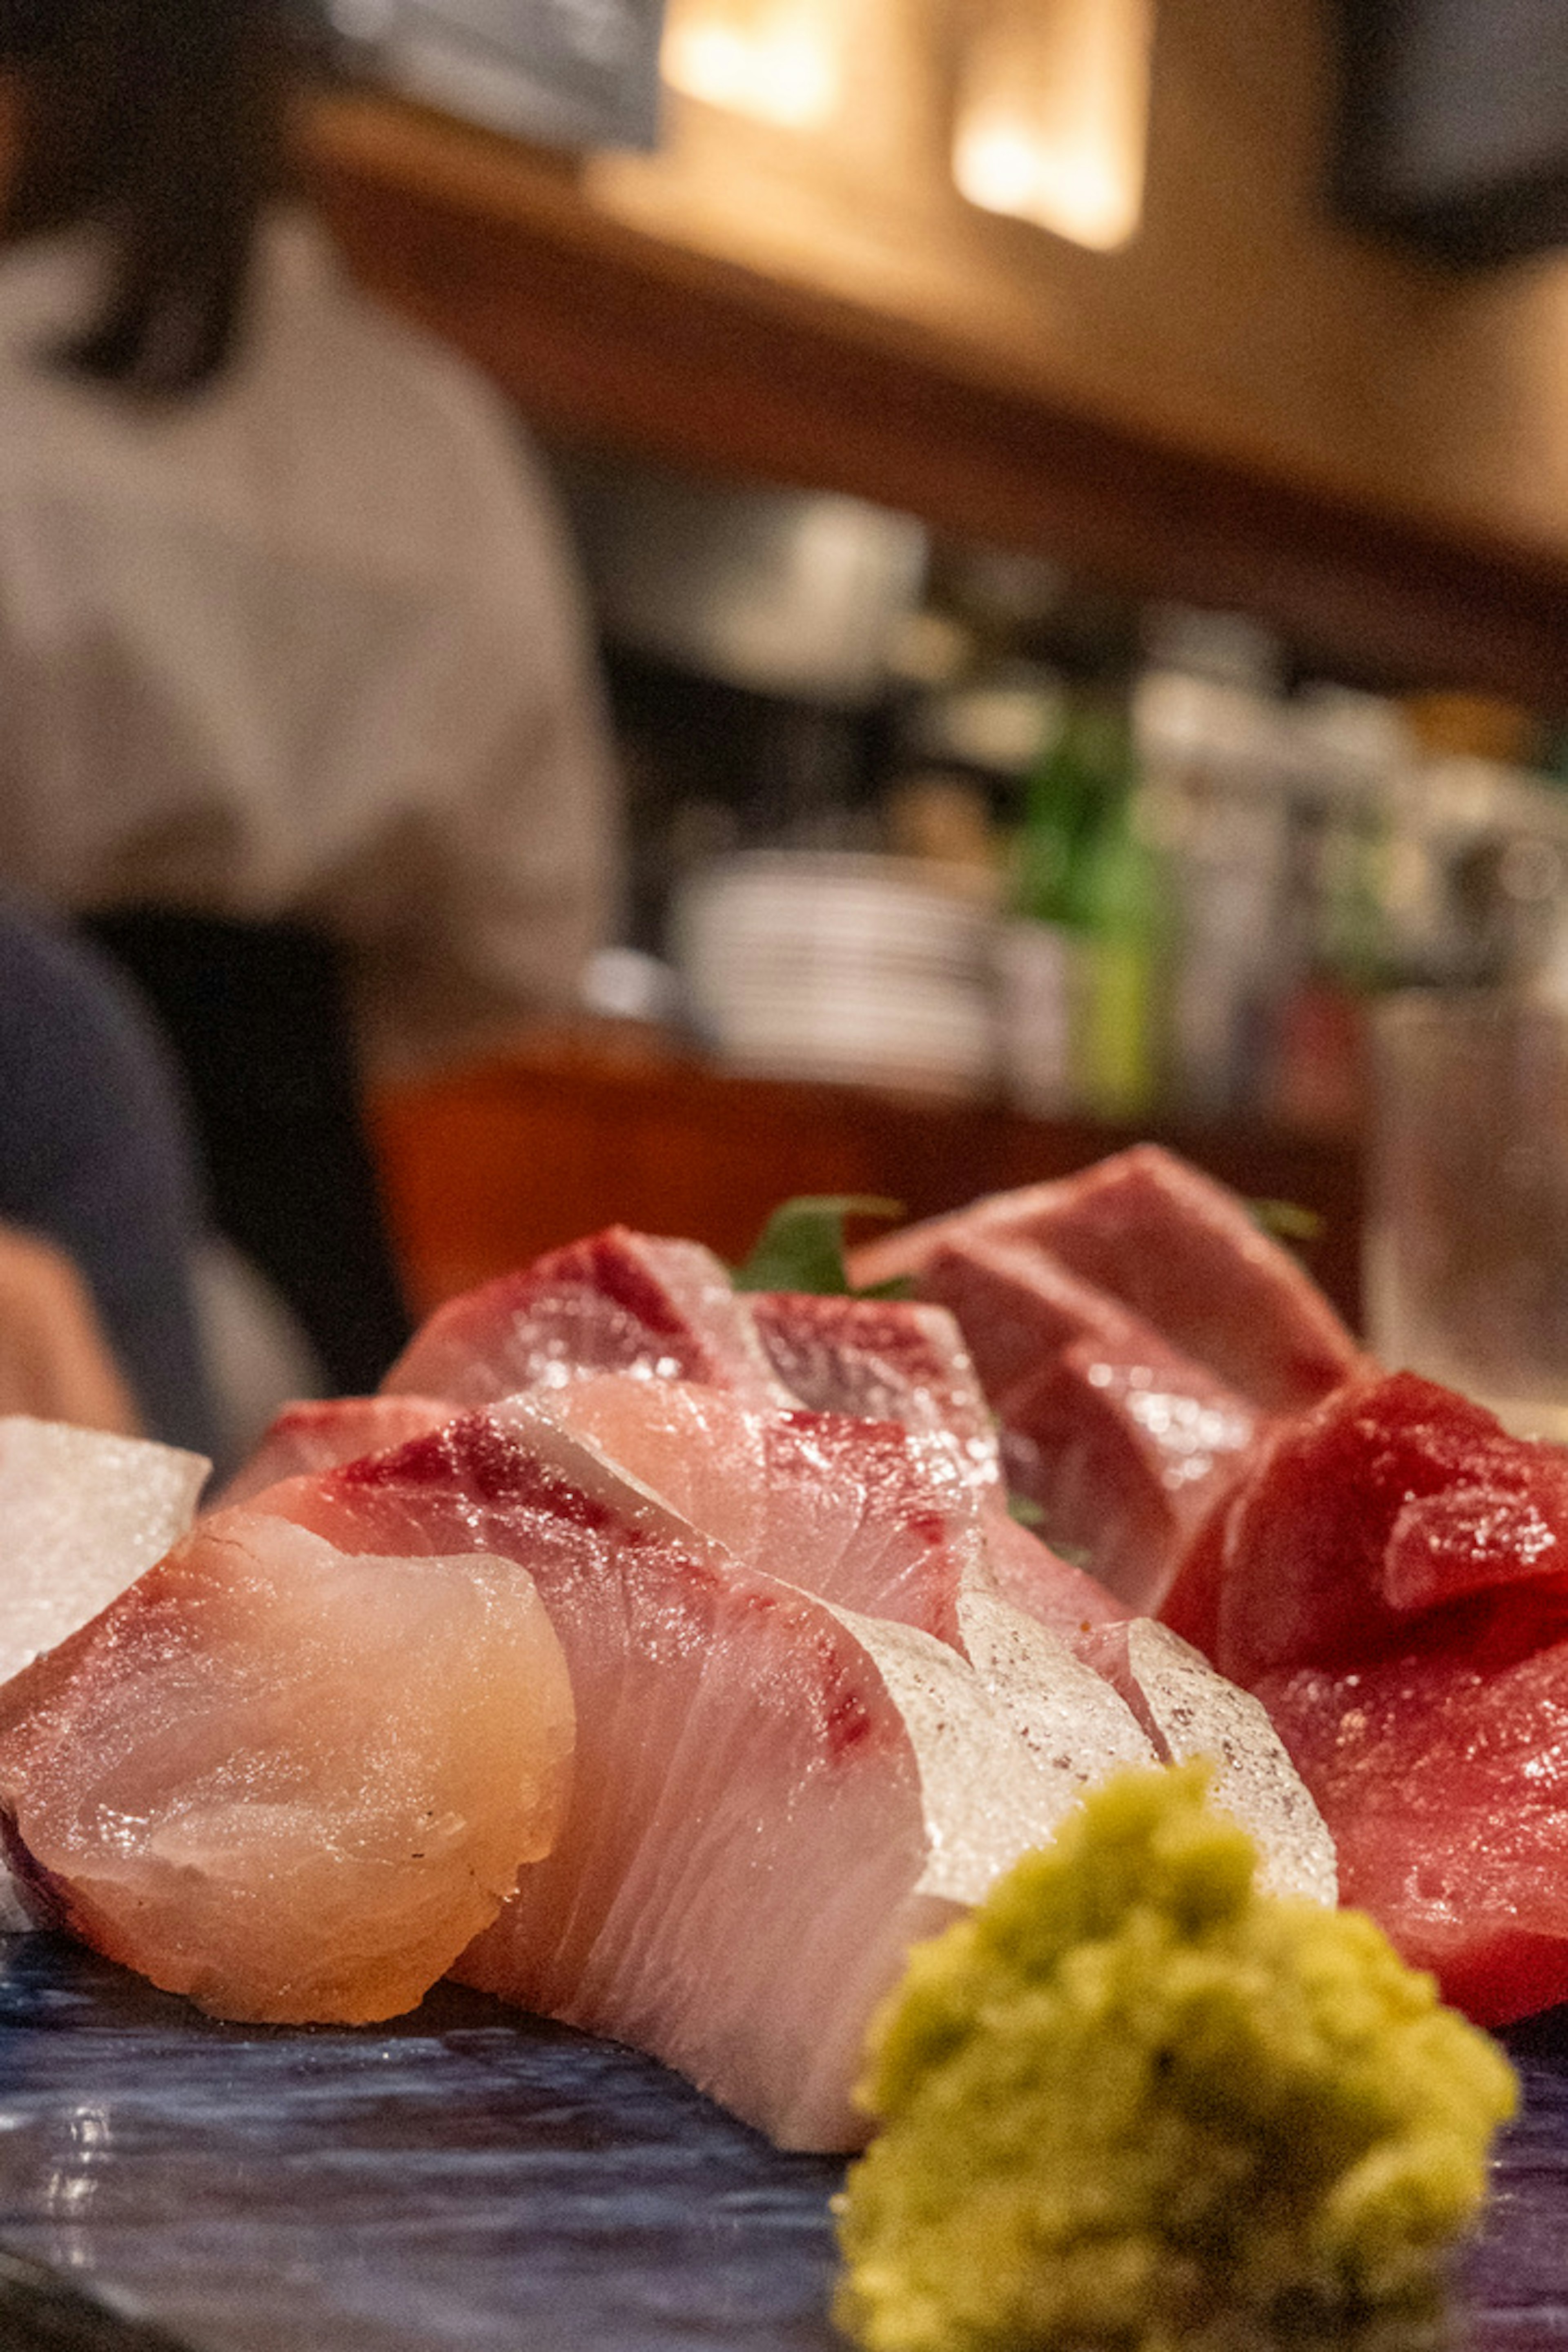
<point x="291" y="641"/>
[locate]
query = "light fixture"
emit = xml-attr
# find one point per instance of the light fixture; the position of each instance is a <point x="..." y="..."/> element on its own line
<point x="777" y="61"/>
<point x="1052" y="114"/>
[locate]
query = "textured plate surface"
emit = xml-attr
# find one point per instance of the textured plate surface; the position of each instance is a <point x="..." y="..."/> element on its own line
<point x="471" y="2180"/>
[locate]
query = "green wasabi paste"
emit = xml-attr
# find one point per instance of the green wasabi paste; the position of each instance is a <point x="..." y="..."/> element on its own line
<point x="1132" y="2103"/>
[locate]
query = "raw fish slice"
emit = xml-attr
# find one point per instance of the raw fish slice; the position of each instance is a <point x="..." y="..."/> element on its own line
<point x="81" y="1515"/>
<point x="1075" y="1724"/>
<point x="861" y="1513"/>
<point x="1188" y="1710"/>
<point x="887" y="1359"/>
<point x="878" y="1517"/>
<point x="1026" y="1572"/>
<point x="871" y="1514"/>
<point x="1126" y="1455"/>
<point x="773" y="1798"/>
<point x="1445" y="1788"/>
<point x="312" y="1435"/>
<point x="618" y="1302"/>
<point x="1181" y="1251"/>
<point x="1023" y="1309"/>
<point x="286" y="1780"/>
<point x="1394" y="1499"/>
<point x="1124" y="1443"/>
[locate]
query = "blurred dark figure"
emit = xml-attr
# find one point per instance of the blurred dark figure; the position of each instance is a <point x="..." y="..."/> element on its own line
<point x="100" y="1217"/>
<point x="297" y="710"/>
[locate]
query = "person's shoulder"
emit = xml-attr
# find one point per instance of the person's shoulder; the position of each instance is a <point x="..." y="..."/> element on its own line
<point x="424" y="393"/>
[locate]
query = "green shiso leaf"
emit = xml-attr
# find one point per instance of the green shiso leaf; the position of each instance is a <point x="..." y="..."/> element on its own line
<point x="801" y="1247"/>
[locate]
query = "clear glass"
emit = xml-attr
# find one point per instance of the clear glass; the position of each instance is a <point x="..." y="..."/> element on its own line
<point x="1465" y="1254"/>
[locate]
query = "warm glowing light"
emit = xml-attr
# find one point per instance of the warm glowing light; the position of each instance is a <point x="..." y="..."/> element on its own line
<point x="779" y="60"/>
<point x="1053" y="115"/>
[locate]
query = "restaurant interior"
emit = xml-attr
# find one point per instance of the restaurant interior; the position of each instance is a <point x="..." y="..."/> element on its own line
<point x="619" y="613"/>
<point x="1069" y="500"/>
<point x="903" y="368"/>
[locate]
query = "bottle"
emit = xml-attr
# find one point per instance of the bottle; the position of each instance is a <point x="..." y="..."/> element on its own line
<point x="1041" y="949"/>
<point x="1117" y="888"/>
<point x="1078" y="957"/>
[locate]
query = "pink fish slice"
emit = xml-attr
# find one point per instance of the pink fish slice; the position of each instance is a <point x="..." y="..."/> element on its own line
<point x="288" y="1780"/>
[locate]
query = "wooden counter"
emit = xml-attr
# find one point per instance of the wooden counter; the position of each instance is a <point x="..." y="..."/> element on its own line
<point x="488" y="1166"/>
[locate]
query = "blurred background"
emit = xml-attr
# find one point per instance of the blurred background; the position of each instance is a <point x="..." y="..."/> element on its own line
<point x="1075" y="498"/>
<point x="1072" y="499"/>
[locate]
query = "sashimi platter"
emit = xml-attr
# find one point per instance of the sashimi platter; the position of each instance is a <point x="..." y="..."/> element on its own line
<point x="1004" y="1791"/>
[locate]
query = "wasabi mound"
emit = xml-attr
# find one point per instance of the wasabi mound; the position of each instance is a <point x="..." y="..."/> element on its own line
<point x="1132" y="2103"/>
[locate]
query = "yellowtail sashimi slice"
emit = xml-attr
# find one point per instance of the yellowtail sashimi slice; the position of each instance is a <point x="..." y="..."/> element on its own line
<point x="289" y="1781"/>
<point x="616" y="1302"/>
<point x="773" y="1798"/>
<point x="871" y="1516"/>
<point x="863" y="1513"/>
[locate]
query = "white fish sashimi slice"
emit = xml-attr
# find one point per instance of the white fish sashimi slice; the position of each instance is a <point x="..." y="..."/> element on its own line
<point x="1078" y="1728"/>
<point x="81" y="1515"/>
<point x="773" y="1798"/>
<point x="289" y="1781"/>
<point x="1190" y="1710"/>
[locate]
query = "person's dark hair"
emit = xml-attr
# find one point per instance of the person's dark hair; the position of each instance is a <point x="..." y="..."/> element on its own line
<point x="159" y="121"/>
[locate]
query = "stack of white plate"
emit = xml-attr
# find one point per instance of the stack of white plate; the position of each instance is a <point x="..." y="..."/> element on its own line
<point x="853" y="969"/>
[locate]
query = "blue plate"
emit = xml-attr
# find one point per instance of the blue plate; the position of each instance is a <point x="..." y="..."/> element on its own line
<point x="469" y="2180"/>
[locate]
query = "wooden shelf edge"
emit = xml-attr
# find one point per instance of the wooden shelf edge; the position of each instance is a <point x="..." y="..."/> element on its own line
<point x="607" y="337"/>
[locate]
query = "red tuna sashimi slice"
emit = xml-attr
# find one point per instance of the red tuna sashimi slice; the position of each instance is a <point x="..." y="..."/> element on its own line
<point x="1445" y="1789"/>
<point x="618" y="1302"/>
<point x="1396" y="1498"/>
<point x="1186" y="1710"/>
<point x="312" y="1435"/>
<point x="1181" y="1251"/>
<point x="289" y="1781"/>
<point x="772" y="1798"/>
<point x="887" y="1359"/>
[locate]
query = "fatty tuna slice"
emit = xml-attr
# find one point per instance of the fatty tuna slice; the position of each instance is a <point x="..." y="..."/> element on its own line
<point x="317" y="1435"/>
<point x="1124" y="1443"/>
<point x="290" y="1781"/>
<point x="773" y="1798"/>
<point x="1188" y="1710"/>
<point x="1181" y="1251"/>
<point x="618" y="1302"/>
